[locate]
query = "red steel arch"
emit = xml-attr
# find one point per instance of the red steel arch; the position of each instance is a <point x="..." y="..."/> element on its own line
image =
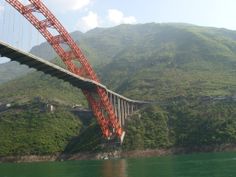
<point x="98" y="100"/>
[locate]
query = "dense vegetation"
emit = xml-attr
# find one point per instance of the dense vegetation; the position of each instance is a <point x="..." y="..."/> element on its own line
<point x="190" y="70"/>
<point x="37" y="84"/>
<point x="193" y="125"/>
<point x="196" y="124"/>
<point x="32" y="129"/>
<point x="147" y="129"/>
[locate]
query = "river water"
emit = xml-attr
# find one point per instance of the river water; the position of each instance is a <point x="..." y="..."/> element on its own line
<point x="196" y="165"/>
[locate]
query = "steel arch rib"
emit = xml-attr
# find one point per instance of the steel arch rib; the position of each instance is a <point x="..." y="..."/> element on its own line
<point x="99" y="101"/>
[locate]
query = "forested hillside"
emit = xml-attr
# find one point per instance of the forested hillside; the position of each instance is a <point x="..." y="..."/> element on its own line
<point x="189" y="70"/>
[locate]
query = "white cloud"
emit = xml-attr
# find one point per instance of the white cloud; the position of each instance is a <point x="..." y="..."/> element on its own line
<point x="64" y="5"/>
<point x="4" y="60"/>
<point x="88" y="22"/>
<point x="117" y="17"/>
<point x="1" y="8"/>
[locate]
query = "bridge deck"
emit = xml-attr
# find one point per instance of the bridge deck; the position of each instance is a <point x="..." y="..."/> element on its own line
<point x="54" y="70"/>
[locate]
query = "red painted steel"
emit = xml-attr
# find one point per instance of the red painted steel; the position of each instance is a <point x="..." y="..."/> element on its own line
<point x="99" y="102"/>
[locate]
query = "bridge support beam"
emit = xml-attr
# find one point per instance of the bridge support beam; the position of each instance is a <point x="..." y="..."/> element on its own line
<point x="119" y="115"/>
<point x="132" y="108"/>
<point x="121" y="111"/>
<point x="122" y="107"/>
<point x="128" y="108"/>
<point x="115" y="103"/>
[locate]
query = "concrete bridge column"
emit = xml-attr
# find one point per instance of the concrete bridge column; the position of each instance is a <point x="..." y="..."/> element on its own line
<point x="119" y="110"/>
<point x="115" y="104"/>
<point x="122" y="112"/>
<point x="115" y="101"/>
<point x="128" y="108"/>
<point x="132" y="108"/>
<point x="125" y="111"/>
<point x="111" y="99"/>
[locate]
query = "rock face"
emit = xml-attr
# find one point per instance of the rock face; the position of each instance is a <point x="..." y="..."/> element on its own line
<point x="108" y="155"/>
<point x="30" y="158"/>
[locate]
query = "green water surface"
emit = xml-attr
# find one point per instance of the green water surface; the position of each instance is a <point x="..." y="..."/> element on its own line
<point x="196" y="165"/>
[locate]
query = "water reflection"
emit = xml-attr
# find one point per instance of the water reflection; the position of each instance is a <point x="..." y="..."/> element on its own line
<point x="116" y="168"/>
<point x="204" y="165"/>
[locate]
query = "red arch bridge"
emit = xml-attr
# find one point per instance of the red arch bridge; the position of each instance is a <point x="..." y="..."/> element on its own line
<point x="109" y="108"/>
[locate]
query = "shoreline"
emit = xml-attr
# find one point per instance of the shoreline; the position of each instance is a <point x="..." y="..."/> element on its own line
<point x="116" y="154"/>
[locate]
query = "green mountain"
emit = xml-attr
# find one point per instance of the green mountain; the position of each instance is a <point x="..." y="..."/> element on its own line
<point x="191" y="69"/>
<point x="10" y="71"/>
<point x="37" y="84"/>
<point x="172" y="60"/>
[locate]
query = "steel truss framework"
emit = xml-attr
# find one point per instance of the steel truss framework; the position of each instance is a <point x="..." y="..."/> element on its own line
<point x="98" y="100"/>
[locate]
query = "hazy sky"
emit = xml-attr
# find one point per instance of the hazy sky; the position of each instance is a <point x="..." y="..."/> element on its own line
<point x="87" y="14"/>
<point x="84" y="15"/>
